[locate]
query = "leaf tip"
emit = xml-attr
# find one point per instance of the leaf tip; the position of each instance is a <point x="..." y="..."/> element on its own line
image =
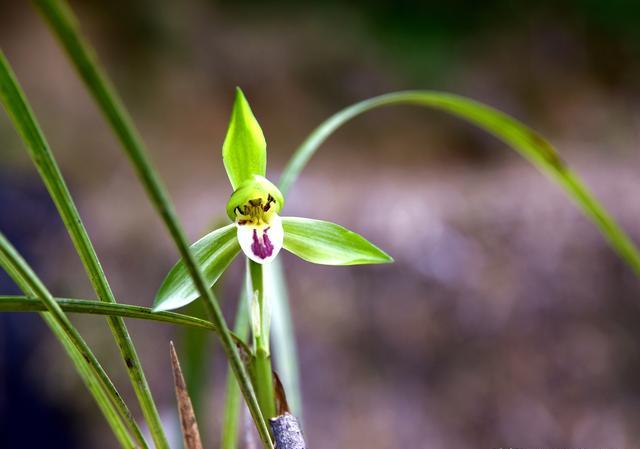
<point x="379" y="258"/>
<point x="241" y="105"/>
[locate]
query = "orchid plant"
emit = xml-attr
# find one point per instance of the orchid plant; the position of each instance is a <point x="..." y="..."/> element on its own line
<point x="260" y="232"/>
<point x="257" y="229"/>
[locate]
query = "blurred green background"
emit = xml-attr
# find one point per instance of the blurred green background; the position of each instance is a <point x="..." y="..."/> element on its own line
<point x="505" y="321"/>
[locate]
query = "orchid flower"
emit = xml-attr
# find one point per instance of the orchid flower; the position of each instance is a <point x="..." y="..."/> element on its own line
<point x="258" y="230"/>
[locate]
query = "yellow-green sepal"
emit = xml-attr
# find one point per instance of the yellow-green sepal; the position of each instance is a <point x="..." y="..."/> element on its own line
<point x="244" y="151"/>
<point x="327" y="243"/>
<point x="214" y="253"/>
<point x="255" y="187"/>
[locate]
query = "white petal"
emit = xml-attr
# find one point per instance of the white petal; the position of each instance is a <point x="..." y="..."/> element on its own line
<point x="261" y="243"/>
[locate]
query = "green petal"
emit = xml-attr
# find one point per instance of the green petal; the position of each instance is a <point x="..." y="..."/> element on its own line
<point x="244" y="151"/>
<point x="327" y="243"/>
<point x="213" y="252"/>
<point x="255" y="187"/>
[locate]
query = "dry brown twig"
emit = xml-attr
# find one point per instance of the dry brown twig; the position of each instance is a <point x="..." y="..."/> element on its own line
<point x="190" y="432"/>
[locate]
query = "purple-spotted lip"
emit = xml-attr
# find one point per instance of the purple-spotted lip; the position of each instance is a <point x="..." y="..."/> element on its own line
<point x="261" y="243"/>
<point x="262" y="246"/>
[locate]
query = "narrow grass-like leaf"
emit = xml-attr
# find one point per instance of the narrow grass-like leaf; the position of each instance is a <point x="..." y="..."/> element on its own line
<point x="327" y="243"/>
<point x="12" y="303"/>
<point x="90" y="380"/>
<point x="16" y="105"/>
<point x="63" y="23"/>
<point x="244" y="151"/>
<point x="30" y="284"/>
<point x="230" y="420"/>
<point x="93" y="385"/>
<point x="516" y="135"/>
<point x="213" y="253"/>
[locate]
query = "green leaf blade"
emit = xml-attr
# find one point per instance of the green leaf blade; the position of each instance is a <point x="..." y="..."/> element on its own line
<point x="513" y="133"/>
<point x="21" y="114"/>
<point x="82" y="356"/>
<point x="244" y="151"/>
<point x="64" y="25"/>
<point x="213" y="252"/>
<point x="327" y="243"/>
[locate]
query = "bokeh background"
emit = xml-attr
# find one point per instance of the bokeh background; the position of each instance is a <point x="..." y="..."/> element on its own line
<point x="505" y="321"/>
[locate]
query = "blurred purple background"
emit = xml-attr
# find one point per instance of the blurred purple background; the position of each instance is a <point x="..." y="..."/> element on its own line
<point x="506" y="319"/>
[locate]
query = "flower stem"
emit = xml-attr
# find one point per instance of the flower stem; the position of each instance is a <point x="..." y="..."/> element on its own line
<point x="261" y="363"/>
<point x="264" y="383"/>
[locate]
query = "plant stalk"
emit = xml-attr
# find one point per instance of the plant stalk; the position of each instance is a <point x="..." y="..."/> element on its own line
<point x="261" y="363"/>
